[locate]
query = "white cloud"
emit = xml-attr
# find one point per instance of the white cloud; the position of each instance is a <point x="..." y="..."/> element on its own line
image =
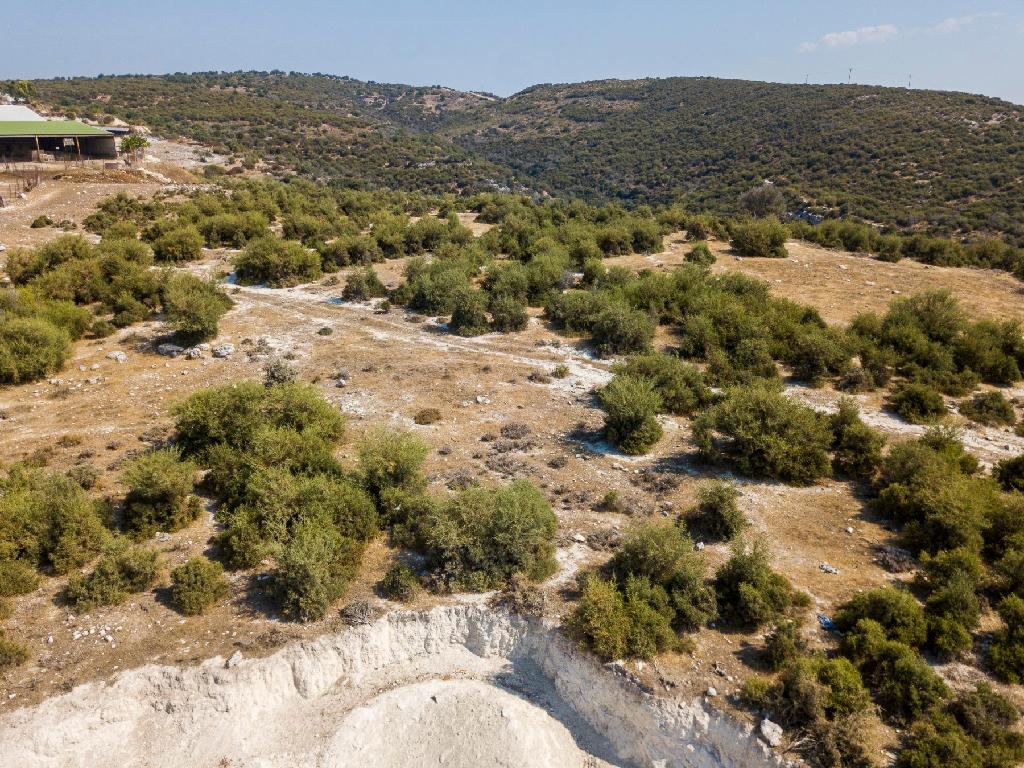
<point x="851" y="37"/>
<point x="954" y="24"/>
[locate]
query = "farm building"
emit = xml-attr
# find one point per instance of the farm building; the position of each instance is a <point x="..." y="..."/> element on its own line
<point x="32" y="139"/>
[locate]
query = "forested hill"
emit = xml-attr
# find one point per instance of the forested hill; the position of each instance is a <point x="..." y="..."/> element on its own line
<point x="951" y="161"/>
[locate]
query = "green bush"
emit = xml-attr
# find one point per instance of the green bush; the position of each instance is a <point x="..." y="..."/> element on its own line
<point x="680" y="385"/>
<point x="760" y="238"/>
<point x="895" y="611"/>
<point x="196" y="585"/>
<point x="363" y="284"/>
<point x="903" y="683"/>
<point x="918" y="403"/>
<point x="469" y="313"/>
<point x="277" y="263"/>
<point x="48" y="520"/>
<point x="12" y="653"/>
<point x="816" y="354"/>
<point x="480" y="537"/>
<point x="17" y="578"/>
<point x="630" y="405"/>
<point x="763" y="200"/>
<point x="990" y="409"/>
<point x="30" y="349"/>
<point x="700" y="254"/>
<point x="716" y="517"/>
<point x="784" y="644"/>
<point x="123" y="571"/>
<point x="665" y="556"/>
<point x="159" y="493"/>
<point x="313" y="570"/>
<point x="234" y="230"/>
<point x="749" y="592"/>
<point x="619" y="330"/>
<point x="765" y="434"/>
<point x="391" y="461"/>
<point x="178" y="246"/>
<point x="856" y="448"/>
<point x="1010" y="473"/>
<point x="508" y="314"/>
<point x="623" y="623"/>
<point x="1006" y="653"/>
<point x="399" y="583"/>
<point x="939" y="741"/>
<point x="194" y="306"/>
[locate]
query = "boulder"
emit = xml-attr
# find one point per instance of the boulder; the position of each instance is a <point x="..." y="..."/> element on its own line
<point x="169" y="350"/>
<point x="224" y="350"/>
<point x="117" y="356"/>
<point x="771" y="732"/>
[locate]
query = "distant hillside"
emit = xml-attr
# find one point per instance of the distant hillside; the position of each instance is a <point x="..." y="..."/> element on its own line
<point x="950" y="161"/>
<point x="326" y="128"/>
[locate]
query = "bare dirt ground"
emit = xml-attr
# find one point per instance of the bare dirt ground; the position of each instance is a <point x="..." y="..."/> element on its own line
<point x="100" y="412"/>
<point x="841" y="284"/>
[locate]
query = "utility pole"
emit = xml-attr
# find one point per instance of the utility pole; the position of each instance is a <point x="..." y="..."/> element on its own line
<point x="909" y="80"/>
<point x="849" y="76"/>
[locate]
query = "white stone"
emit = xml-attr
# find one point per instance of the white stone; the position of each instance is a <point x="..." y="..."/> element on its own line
<point x="117" y="356"/>
<point x="234" y="659"/>
<point x="771" y="732"/>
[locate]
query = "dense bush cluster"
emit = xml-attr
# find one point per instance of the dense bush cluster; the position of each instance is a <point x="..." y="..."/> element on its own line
<point x="653" y="589"/>
<point x="765" y="434"/>
<point x="68" y="288"/>
<point x="269" y="449"/>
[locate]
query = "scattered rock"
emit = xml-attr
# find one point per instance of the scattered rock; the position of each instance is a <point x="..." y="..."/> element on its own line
<point x="711" y="691"/>
<point x="117" y="356"/>
<point x="224" y="350"/>
<point x="233" y="659"/>
<point x="193" y="353"/>
<point x="169" y="350"/>
<point x="771" y="732"/>
<point x="825" y="567"/>
<point x="579" y="538"/>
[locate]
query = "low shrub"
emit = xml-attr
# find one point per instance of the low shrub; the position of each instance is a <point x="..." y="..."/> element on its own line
<point x="619" y="330"/>
<point x="630" y="405"/>
<point x="508" y="314"/>
<point x="363" y="284"/>
<point x="12" y="653"/>
<point x="784" y="644"/>
<point x="766" y="435"/>
<point x="196" y="585"/>
<point x="700" y="254"/>
<point x="1006" y="653"/>
<point x="749" y="592"/>
<point x="178" y="246"/>
<point x="616" y="623"/>
<point x="716" y="517"/>
<point x="193" y="306"/>
<point x="896" y="611"/>
<point x="48" y="520"/>
<point x="277" y="263"/>
<point x="917" y="403"/>
<point x="760" y="238"/>
<point x="1010" y="473"/>
<point x="426" y="416"/>
<point x="30" y="349"/>
<point x="477" y="539"/>
<point x="680" y="385"/>
<point x="159" y="493"/>
<point x="123" y="571"/>
<point x="469" y="313"/>
<point x="399" y="583"/>
<point x="989" y="408"/>
<point x="856" y="448"/>
<point x="313" y="570"/>
<point x="391" y="461"/>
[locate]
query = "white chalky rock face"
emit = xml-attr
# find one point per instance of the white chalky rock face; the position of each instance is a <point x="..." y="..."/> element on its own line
<point x="459" y="685"/>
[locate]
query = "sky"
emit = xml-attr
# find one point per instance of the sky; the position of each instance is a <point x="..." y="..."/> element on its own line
<point x="504" y="47"/>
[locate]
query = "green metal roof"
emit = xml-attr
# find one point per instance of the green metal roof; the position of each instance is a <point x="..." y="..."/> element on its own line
<point x="31" y="128"/>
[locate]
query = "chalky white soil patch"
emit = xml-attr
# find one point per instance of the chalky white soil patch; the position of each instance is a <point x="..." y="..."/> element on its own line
<point x="459" y="685"/>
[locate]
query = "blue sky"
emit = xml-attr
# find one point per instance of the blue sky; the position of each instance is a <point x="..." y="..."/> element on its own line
<point x="503" y="47"/>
